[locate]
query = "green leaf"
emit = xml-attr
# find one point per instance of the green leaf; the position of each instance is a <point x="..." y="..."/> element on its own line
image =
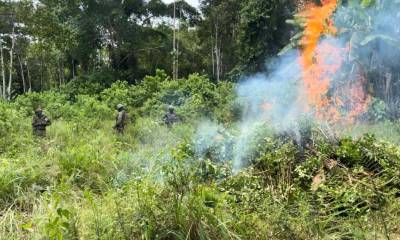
<point x="65" y="225"/>
<point x="60" y="236"/>
<point x="367" y="3"/>
<point x="27" y="226"/>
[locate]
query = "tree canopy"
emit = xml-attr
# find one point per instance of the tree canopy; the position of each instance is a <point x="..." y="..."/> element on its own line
<point x="46" y="44"/>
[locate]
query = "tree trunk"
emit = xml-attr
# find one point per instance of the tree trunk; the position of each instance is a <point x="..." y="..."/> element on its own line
<point x="22" y="74"/>
<point x="62" y="72"/>
<point x="73" y="69"/>
<point x="177" y="44"/>
<point x="174" y="45"/>
<point x="49" y="78"/>
<point x="11" y="64"/>
<point x="217" y="53"/>
<point x="3" y="74"/>
<point x="29" y="77"/>
<point x="59" y="74"/>
<point x="41" y="74"/>
<point x="213" y="59"/>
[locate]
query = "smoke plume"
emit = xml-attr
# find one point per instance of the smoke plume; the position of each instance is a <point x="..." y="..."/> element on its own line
<point x="324" y="80"/>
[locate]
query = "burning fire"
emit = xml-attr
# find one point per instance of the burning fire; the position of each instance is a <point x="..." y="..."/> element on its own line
<point x="266" y="106"/>
<point x="320" y="62"/>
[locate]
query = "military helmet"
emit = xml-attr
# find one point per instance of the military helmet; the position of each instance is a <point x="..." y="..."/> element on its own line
<point x="171" y="108"/>
<point x="120" y="106"/>
<point x="38" y="110"/>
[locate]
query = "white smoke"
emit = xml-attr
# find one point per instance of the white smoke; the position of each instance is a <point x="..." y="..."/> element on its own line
<point x="372" y="37"/>
<point x="272" y="99"/>
<point x="268" y="99"/>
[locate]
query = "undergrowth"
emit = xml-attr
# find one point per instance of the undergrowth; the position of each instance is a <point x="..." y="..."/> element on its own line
<point x="83" y="181"/>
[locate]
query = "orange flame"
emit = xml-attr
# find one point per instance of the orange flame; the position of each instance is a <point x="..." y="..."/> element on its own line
<point x="354" y="97"/>
<point x="266" y="106"/>
<point x="320" y="62"/>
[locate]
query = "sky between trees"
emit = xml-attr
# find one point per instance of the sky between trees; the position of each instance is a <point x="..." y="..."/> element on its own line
<point x="194" y="3"/>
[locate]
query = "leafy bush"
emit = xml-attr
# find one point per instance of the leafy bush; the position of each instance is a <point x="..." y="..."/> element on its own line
<point x="194" y="97"/>
<point x="119" y="92"/>
<point x="84" y="181"/>
<point x="91" y="108"/>
<point x="377" y="111"/>
<point x="14" y="130"/>
<point x="51" y="102"/>
<point x="91" y="84"/>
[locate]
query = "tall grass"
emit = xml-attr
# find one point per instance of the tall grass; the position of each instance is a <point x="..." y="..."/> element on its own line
<point x="84" y="181"/>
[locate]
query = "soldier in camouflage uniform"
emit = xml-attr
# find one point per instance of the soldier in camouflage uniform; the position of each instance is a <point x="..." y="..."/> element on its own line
<point x="39" y="123"/>
<point x="121" y="119"/>
<point x="170" y="118"/>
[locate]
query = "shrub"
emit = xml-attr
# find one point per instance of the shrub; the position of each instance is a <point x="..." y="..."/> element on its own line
<point x="52" y="102"/>
<point x="91" y="84"/>
<point x="377" y="111"/>
<point x="91" y="108"/>
<point x="15" y="130"/>
<point x="119" y="92"/>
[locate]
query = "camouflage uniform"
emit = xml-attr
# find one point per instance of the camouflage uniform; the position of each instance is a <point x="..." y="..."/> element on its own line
<point x="121" y="119"/>
<point x="170" y="118"/>
<point x="39" y="123"/>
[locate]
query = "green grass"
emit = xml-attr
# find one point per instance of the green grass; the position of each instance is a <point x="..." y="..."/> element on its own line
<point x="90" y="183"/>
<point x="84" y="181"/>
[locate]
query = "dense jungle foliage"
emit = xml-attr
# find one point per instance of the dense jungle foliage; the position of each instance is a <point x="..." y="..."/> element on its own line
<point x="78" y="59"/>
<point x="83" y="181"/>
<point x="54" y="42"/>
